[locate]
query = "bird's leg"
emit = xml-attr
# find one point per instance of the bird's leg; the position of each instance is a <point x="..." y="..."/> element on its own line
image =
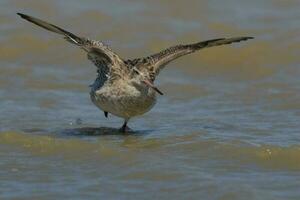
<point x="106" y="114"/>
<point x="125" y="128"/>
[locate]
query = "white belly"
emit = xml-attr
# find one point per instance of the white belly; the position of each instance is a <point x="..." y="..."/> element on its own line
<point x="124" y="101"/>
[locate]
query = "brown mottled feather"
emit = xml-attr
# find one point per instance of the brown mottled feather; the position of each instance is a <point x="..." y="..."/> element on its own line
<point x="101" y="55"/>
<point x="156" y="62"/>
<point x="109" y="62"/>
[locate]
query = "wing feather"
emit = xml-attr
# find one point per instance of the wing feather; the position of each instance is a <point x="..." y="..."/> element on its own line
<point x="157" y="61"/>
<point x="98" y="53"/>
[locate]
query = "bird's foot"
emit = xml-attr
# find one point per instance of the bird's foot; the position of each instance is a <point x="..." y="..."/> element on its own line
<point x="125" y="129"/>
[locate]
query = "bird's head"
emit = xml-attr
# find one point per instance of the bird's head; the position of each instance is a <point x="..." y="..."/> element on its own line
<point x="140" y="77"/>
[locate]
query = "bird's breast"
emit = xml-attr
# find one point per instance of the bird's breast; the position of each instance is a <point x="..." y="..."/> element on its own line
<point x="123" y="99"/>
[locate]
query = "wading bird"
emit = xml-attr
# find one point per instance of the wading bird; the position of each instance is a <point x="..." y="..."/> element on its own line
<point x="125" y="88"/>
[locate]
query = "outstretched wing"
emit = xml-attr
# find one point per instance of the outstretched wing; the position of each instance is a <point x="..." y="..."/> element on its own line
<point x="100" y="54"/>
<point x="157" y="61"/>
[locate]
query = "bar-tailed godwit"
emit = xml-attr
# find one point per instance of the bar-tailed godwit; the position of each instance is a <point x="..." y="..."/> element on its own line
<point x="125" y="88"/>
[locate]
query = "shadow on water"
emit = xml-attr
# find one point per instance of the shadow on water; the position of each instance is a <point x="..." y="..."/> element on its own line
<point x="99" y="131"/>
<point x="89" y="131"/>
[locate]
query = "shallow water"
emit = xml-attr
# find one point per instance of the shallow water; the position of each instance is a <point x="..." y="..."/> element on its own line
<point x="226" y="128"/>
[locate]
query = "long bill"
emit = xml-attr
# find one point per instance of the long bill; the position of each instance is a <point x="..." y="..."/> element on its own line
<point x="153" y="87"/>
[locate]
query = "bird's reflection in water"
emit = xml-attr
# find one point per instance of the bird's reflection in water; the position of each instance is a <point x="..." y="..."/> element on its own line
<point x="101" y="131"/>
<point x="88" y="132"/>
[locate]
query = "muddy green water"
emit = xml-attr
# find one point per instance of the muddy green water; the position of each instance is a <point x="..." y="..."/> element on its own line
<point x="227" y="127"/>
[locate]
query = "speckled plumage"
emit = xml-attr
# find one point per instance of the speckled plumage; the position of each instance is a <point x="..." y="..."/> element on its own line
<point x="125" y="87"/>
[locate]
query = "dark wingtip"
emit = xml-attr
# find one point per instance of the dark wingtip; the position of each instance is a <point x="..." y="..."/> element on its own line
<point x="23" y="15"/>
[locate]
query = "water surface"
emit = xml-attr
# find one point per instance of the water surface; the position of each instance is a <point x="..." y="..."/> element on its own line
<point x="226" y="128"/>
